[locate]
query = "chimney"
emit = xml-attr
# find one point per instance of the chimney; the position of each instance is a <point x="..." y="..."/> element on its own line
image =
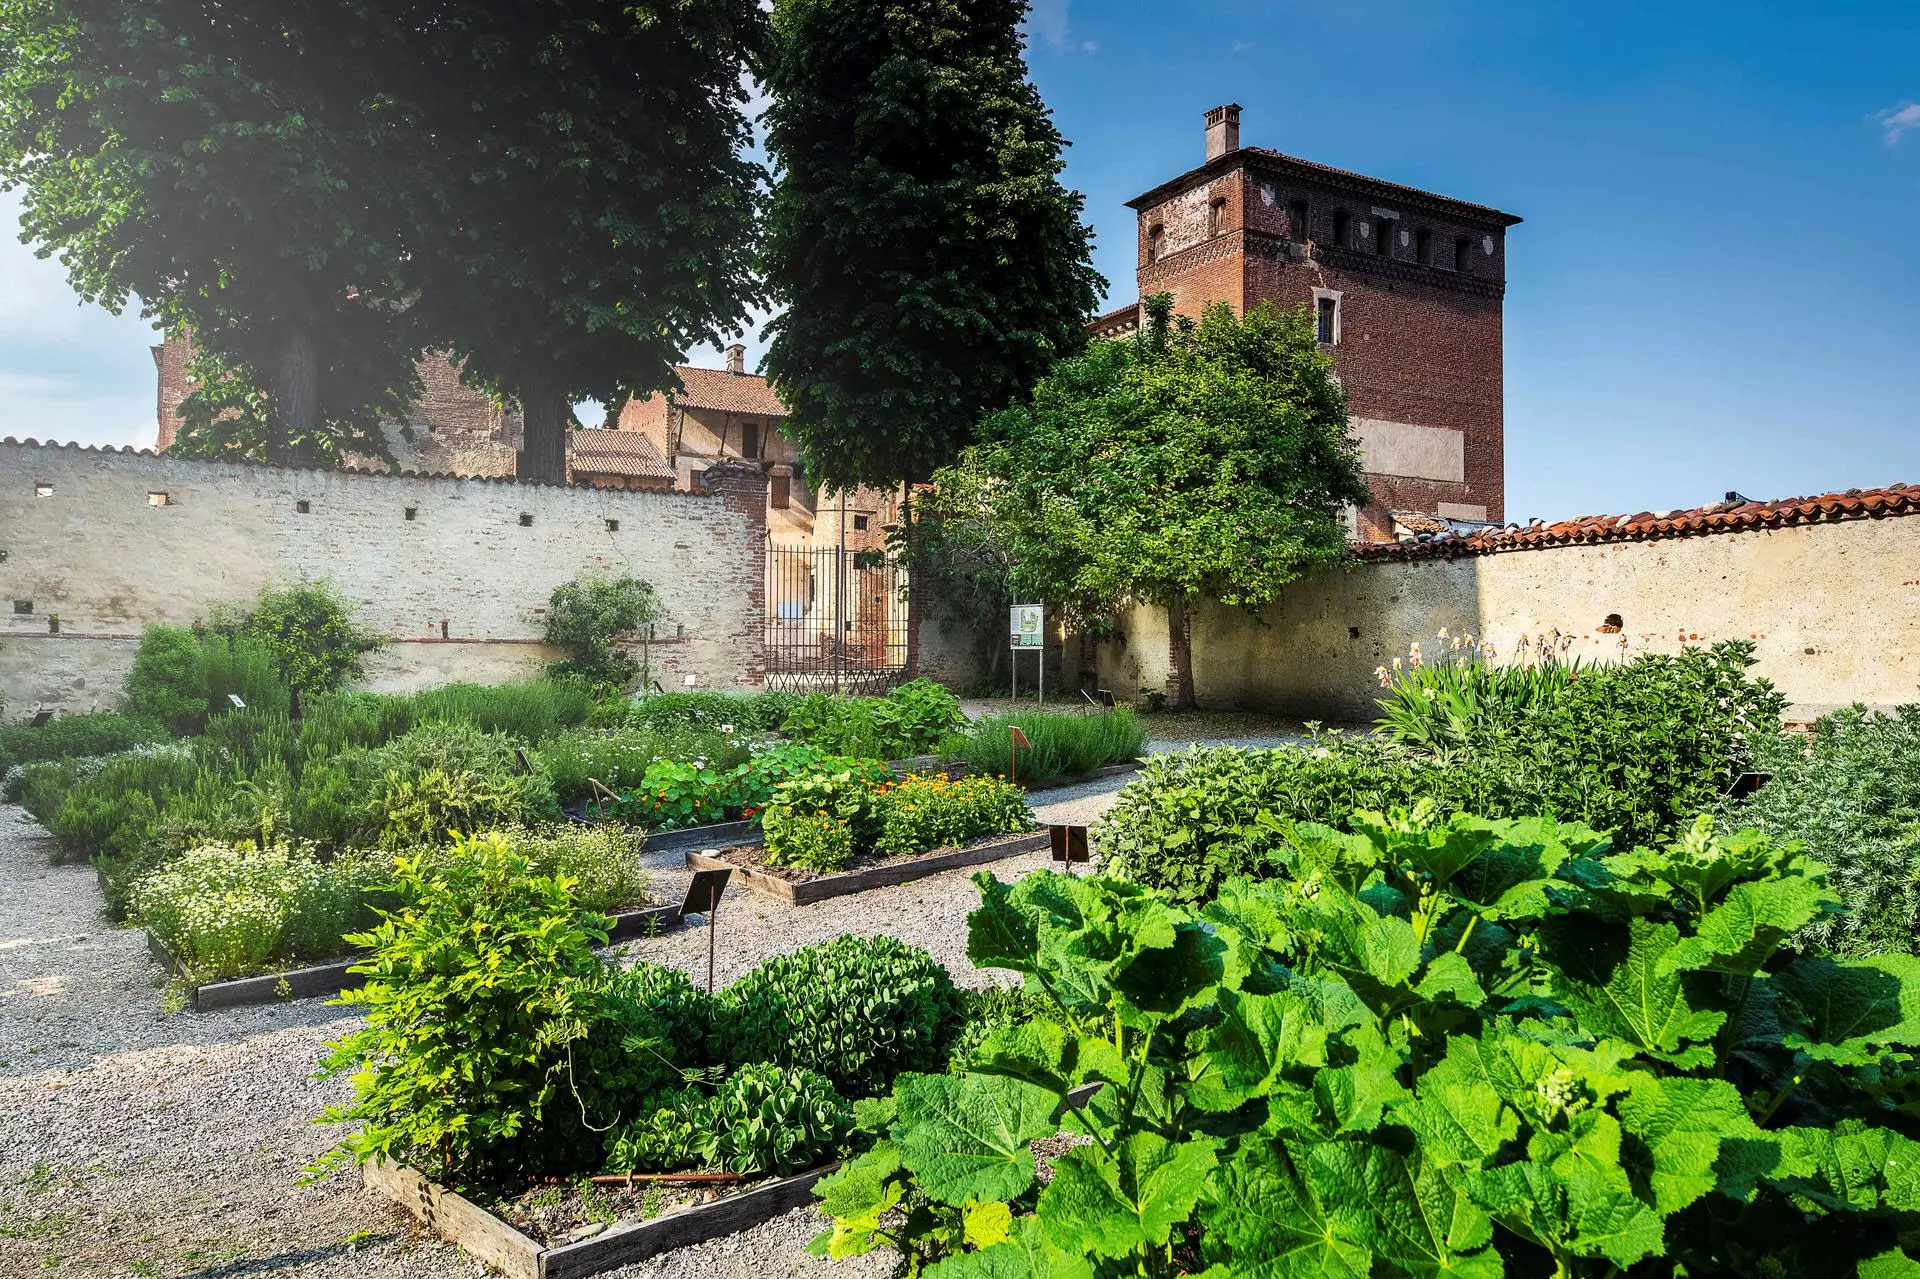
<point x="1223" y="130"/>
<point x="736" y="358"/>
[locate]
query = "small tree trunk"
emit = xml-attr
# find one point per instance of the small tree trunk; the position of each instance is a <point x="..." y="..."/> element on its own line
<point x="543" y="444"/>
<point x="294" y="411"/>
<point x="1180" y="653"/>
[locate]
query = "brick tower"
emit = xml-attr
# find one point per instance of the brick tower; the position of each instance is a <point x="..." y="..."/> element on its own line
<point x="1404" y="286"/>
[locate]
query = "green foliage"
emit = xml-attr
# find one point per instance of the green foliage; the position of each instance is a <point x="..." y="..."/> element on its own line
<point x="728" y="713"/>
<point x="1448" y="703"/>
<point x="762" y="1119"/>
<point x="926" y="259"/>
<point x="858" y="1010"/>
<point x="180" y="677"/>
<point x="816" y="820"/>
<point x="592" y="616"/>
<point x="74" y="737"/>
<point x="310" y="630"/>
<point x="928" y="811"/>
<point x="1466" y="1048"/>
<point x="477" y="989"/>
<point x="530" y="709"/>
<point x="1063" y="745"/>
<point x="1195" y="460"/>
<point x="808" y="839"/>
<point x="913" y="719"/>
<point x="442" y="778"/>
<point x="619" y="759"/>
<point x="1851" y="793"/>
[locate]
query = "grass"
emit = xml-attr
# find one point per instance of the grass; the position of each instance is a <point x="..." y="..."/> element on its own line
<point x="1064" y="744"/>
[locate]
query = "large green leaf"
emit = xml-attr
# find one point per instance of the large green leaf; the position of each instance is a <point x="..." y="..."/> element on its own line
<point x="1680" y="1125"/>
<point x="1353" y="1096"/>
<point x="1625" y="993"/>
<point x="1407" y="1211"/>
<point x="1265" y="1223"/>
<point x="1026" y="1253"/>
<point x="856" y="1197"/>
<point x="1115" y="1205"/>
<point x="1256" y="1038"/>
<point x="1456" y="1113"/>
<point x="1851" y="1167"/>
<point x="1749" y="925"/>
<point x="1846" y="1011"/>
<point x="968" y="1138"/>
<point x="1572" y="1207"/>
<point x="1894" y="1264"/>
<point x="1049" y="1055"/>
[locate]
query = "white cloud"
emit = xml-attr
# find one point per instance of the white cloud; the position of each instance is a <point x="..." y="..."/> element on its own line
<point x="1241" y="46"/>
<point x="1900" y="121"/>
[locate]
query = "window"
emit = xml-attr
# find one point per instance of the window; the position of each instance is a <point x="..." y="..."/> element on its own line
<point x="411" y="513"/>
<point x="1297" y="221"/>
<point x="303" y="507"/>
<point x="613" y="526"/>
<point x="1156" y="242"/>
<point x="22" y="608"/>
<point x="1462" y="254"/>
<point x="1217" y="217"/>
<point x="1423" y="247"/>
<point x="1343" y="228"/>
<point x="1383" y="232"/>
<point x="780" y="492"/>
<point x="43" y="490"/>
<point x="1327" y="320"/>
<point x="860" y="523"/>
<point x="526" y="519"/>
<point x="749" y="439"/>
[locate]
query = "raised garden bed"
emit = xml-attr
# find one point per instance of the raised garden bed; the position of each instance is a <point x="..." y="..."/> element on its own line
<point x="333" y="977"/>
<point x="513" y="1253"/>
<point x="799" y="887"/>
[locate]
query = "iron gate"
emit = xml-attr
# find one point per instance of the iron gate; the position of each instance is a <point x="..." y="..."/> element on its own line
<point x="836" y="620"/>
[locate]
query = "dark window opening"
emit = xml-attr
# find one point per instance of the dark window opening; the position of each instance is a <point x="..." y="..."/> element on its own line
<point x="303" y="507"/>
<point x="22" y="608"/>
<point x="780" y="492"/>
<point x="613" y="526"/>
<point x="413" y="512"/>
<point x="1423" y="247"/>
<point x="526" y="519"/>
<point x="750" y="439"/>
<point x="1217" y="217"/>
<point x="1156" y="242"/>
<point x="1383" y="237"/>
<point x="1462" y="254"/>
<point x="1343" y="228"/>
<point x="1297" y="220"/>
<point x="860" y="523"/>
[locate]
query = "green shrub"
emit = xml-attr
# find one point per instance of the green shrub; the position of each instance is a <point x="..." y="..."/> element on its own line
<point x="731" y="714"/>
<point x="478" y="989"/>
<point x="928" y="811"/>
<point x="1851" y="793"/>
<point x="74" y="737"/>
<point x="619" y="759"/>
<point x="858" y="1010"/>
<point x="1062" y="745"/>
<point x="604" y="864"/>
<point x="592" y="616"/>
<point x="762" y="1119"/>
<point x="812" y="841"/>
<point x="442" y="778"/>
<point x="532" y="710"/>
<point x="167" y="682"/>
<point x="232" y="911"/>
<point x="913" y="719"/>
<point x="310" y="631"/>
<point x="1468" y="1048"/>
<point x="848" y="795"/>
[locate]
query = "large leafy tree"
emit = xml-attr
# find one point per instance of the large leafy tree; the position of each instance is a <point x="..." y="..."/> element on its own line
<point x="1193" y="460"/>
<point x="931" y="263"/>
<point x="232" y="166"/>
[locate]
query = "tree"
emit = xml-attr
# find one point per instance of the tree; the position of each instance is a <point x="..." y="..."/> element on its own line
<point x="592" y="615"/>
<point x="931" y="263"/>
<point x="232" y="166"/>
<point x="1207" y="459"/>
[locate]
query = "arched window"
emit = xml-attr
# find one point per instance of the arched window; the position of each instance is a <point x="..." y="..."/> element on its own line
<point x="1156" y="242"/>
<point x="1343" y="228"/>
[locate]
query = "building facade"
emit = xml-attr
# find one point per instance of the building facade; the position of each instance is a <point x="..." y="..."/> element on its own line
<point x="1405" y="289"/>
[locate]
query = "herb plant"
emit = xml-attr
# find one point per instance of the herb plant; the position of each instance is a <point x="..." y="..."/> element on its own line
<point x="926" y="811"/>
<point x="913" y="719"/>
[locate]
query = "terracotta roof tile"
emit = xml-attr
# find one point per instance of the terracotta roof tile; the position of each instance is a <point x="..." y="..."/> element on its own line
<point x="728" y="392"/>
<point x="1716" y="517"/>
<point x="599" y="451"/>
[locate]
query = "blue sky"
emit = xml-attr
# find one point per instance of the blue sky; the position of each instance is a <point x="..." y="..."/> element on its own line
<point x="1717" y="284"/>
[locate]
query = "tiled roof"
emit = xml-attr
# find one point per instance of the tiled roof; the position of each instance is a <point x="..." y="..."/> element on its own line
<point x="1313" y="168"/>
<point x="728" y="392"/>
<point x="599" y="451"/>
<point x="1720" y="517"/>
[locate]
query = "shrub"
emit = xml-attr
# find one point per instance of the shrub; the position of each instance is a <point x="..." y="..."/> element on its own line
<point x="929" y="811"/>
<point x="858" y="1010"/>
<point x="1064" y="745"/>
<point x="532" y="710"/>
<point x="309" y="629"/>
<point x="761" y="1119"/>
<point x="477" y="989"/>
<point x="447" y="777"/>
<point x="589" y="618"/>
<point x="619" y="760"/>
<point x="728" y="713"/>
<point x="812" y="841"/>
<point x="848" y="795"/>
<point x="913" y="719"/>
<point x="1464" y="1048"/>
<point x="74" y="737"/>
<point x="167" y="683"/>
<point x="603" y="864"/>
<point x="1852" y="794"/>
<point x="230" y="911"/>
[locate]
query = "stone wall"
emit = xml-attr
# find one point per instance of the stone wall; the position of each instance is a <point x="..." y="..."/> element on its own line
<point x="1834" y="609"/>
<point x="456" y="572"/>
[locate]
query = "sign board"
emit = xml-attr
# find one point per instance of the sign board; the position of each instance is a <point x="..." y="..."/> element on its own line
<point x="1069" y="843"/>
<point x="1028" y="625"/>
<point x="703" y="894"/>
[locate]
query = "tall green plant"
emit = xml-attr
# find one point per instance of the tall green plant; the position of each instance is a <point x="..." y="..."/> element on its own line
<point x="593" y="616"/>
<point x="1465" y="1048"/>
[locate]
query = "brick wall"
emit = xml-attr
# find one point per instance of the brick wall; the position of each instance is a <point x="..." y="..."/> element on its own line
<point x="95" y="553"/>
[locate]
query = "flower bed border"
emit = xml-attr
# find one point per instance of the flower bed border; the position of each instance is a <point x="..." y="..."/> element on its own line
<point x="481" y="1234"/>
<point x="805" y="892"/>
<point x="332" y="978"/>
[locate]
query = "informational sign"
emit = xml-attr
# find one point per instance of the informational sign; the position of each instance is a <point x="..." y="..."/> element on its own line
<point x="1028" y="625"/>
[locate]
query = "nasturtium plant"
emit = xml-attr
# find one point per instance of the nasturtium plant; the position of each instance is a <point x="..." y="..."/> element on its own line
<point x="1427" y="1048"/>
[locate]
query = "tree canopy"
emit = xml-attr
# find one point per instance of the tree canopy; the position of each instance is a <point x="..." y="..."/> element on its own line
<point x="931" y="263"/>
<point x="1193" y="460"/>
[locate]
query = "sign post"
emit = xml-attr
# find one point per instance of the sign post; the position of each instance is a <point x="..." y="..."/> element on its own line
<point x="1027" y="632"/>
